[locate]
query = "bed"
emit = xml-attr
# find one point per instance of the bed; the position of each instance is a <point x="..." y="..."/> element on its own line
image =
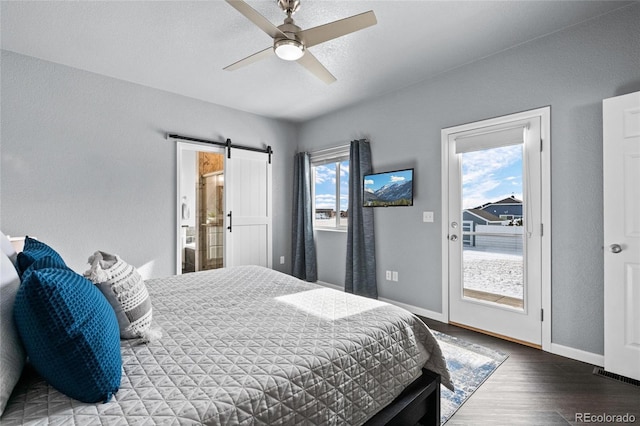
<point x="253" y="346"/>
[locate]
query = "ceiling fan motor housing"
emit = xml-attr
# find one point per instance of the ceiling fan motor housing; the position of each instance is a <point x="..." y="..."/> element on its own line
<point x="290" y="48"/>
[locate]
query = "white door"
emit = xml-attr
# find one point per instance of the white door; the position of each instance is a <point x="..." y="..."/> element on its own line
<point x="495" y="266"/>
<point x="248" y="208"/>
<point x="621" y="166"/>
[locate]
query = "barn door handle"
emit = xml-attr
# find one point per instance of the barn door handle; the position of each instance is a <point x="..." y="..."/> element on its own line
<point x="615" y="248"/>
<point x="230" y="221"/>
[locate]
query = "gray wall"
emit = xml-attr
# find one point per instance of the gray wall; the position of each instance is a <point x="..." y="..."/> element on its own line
<point x="85" y="165"/>
<point x="572" y="71"/>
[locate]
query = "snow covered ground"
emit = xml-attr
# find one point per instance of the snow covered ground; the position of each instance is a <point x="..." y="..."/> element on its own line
<point x="497" y="273"/>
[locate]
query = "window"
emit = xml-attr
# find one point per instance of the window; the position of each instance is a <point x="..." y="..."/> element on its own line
<point x="330" y="170"/>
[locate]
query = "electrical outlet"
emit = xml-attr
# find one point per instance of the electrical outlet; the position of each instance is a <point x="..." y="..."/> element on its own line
<point x="388" y="275"/>
<point x="282" y="260"/>
<point x="394" y="276"/>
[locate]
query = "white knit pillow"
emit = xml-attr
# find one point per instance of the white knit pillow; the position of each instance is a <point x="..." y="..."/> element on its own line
<point x="125" y="290"/>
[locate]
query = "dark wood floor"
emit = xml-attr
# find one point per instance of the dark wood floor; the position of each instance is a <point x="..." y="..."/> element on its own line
<point x="533" y="387"/>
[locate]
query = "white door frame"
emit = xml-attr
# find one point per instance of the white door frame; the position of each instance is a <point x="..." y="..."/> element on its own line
<point x="545" y="134"/>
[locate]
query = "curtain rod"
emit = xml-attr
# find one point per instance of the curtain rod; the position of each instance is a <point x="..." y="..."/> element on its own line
<point x="226" y="144"/>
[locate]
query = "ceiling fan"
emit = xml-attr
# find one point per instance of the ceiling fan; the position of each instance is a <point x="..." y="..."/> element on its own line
<point x="291" y="43"/>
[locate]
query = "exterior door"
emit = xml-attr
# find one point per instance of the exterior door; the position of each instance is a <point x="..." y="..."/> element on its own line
<point x="248" y="208"/>
<point x="494" y="237"/>
<point x="621" y="166"/>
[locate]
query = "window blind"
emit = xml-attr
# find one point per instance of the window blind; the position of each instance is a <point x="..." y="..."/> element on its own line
<point x="493" y="137"/>
<point x="329" y="155"/>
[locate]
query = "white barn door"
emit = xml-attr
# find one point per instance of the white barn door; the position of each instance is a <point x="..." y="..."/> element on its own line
<point x="621" y="167"/>
<point x="248" y="208"/>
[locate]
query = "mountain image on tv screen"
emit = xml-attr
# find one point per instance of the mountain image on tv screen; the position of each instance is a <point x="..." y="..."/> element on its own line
<point x="389" y="189"/>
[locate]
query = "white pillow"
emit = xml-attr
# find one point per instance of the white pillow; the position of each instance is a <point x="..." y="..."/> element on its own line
<point x="125" y="290"/>
<point x="12" y="354"/>
<point x="7" y="248"/>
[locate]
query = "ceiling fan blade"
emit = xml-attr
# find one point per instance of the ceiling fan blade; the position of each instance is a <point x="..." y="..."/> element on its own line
<point x="251" y="14"/>
<point x="250" y="59"/>
<point x="312" y="64"/>
<point x="322" y="33"/>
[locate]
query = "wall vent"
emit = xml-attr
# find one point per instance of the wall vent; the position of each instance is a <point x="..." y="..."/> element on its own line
<point x="599" y="371"/>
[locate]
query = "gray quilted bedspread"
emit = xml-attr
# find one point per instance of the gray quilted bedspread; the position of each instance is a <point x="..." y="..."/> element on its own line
<point x="251" y="346"/>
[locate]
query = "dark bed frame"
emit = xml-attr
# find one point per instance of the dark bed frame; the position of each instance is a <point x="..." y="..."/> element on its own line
<point x="418" y="404"/>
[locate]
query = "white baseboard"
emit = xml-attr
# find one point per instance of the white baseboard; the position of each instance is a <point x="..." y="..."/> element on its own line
<point x="577" y="354"/>
<point x="437" y="316"/>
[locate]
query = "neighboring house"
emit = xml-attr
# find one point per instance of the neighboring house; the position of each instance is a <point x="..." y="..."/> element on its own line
<point x="472" y="218"/>
<point x="499" y="213"/>
<point x="508" y="208"/>
<point x="481" y="217"/>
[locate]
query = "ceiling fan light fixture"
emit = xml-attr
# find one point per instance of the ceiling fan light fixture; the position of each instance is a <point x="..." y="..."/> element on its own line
<point x="288" y="49"/>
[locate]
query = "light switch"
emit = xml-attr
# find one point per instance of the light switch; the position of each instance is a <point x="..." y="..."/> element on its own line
<point x="427" y="216"/>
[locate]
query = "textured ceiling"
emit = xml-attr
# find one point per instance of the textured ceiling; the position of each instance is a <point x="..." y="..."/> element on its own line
<point x="182" y="46"/>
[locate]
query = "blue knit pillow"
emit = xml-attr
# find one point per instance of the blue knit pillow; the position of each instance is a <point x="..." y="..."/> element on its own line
<point x="45" y="262"/>
<point x="32" y="251"/>
<point x="70" y="333"/>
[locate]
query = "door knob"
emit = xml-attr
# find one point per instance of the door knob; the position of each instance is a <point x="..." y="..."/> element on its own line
<point x="454" y="237"/>
<point x="615" y="248"/>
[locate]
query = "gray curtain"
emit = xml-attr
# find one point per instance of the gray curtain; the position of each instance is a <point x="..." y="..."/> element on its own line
<point x="361" y="252"/>
<point x="303" y="250"/>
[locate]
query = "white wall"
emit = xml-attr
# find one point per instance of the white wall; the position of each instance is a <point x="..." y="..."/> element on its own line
<point x="86" y="166"/>
<point x="572" y="70"/>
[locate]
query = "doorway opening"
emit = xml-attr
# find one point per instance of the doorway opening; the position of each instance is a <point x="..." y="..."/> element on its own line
<point x="201" y="241"/>
<point x="210" y="207"/>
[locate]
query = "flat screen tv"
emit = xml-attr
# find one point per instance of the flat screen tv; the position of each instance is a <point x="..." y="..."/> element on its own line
<point x="388" y="189"/>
